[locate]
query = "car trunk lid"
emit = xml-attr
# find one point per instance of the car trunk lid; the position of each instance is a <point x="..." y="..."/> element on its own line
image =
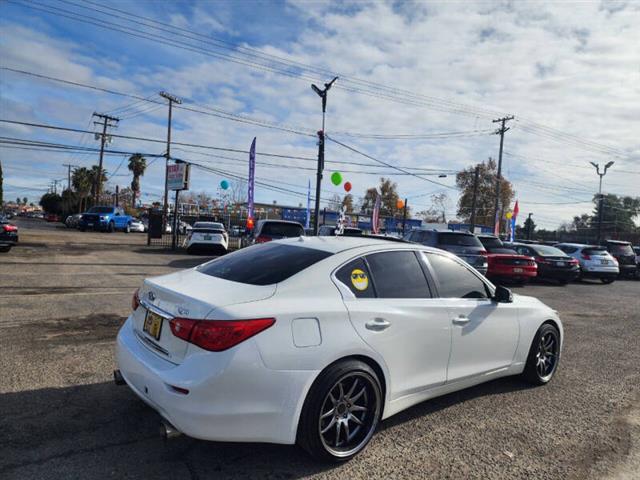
<point x="186" y="294"/>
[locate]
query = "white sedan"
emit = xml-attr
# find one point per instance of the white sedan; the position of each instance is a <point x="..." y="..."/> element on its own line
<point x="315" y="340"/>
<point x="207" y="236"/>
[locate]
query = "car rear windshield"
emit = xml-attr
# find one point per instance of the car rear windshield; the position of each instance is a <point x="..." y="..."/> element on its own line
<point x="459" y="239"/>
<point x="264" y="264"/>
<point x="594" y="251"/>
<point x="620" y="249"/>
<point x="491" y="242"/>
<point x="207" y="230"/>
<point x="101" y="210"/>
<point x="546" y="251"/>
<point x="276" y="229"/>
<point x="217" y="226"/>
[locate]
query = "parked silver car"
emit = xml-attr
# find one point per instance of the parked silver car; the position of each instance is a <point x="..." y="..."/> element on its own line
<point x="595" y="262"/>
<point x="72" y="221"/>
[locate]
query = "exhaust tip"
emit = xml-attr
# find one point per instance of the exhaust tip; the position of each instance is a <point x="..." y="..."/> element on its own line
<point x="118" y="378"/>
<point x="168" y="431"/>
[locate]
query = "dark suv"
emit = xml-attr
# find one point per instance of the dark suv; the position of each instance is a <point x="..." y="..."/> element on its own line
<point x="464" y="245"/>
<point x="625" y="256"/>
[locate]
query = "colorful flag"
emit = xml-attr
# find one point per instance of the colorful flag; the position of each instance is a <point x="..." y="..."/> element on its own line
<point x="512" y="231"/>
<point x="252" y="177"/>
<point x="375" y="218"/>
<point x="308" y="218"/>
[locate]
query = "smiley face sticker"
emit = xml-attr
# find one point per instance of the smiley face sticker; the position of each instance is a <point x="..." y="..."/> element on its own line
<point x="359" y="280"/>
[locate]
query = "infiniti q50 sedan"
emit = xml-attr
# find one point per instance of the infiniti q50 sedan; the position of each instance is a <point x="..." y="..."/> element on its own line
<point x="315" y="340"/>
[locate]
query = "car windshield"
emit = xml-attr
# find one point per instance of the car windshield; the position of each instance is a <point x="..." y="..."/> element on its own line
<point x="277" y="229"/>
<point x="620" y="249"/>
<point x="546" y="251"/>
<point x="101" y="210"/>
<point x="264" y="264"/>
<point x="459" y="239"/>
<point x="491" y="242"/>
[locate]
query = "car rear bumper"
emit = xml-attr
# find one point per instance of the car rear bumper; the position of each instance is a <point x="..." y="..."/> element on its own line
<point x="8" y="240"/>
<point x="558" y="274"/>
<point x="232" y="395"/>
<point x="628" y="269"/>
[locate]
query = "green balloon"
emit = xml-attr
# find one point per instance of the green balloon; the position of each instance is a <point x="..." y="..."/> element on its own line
<point x="336" y="178"/>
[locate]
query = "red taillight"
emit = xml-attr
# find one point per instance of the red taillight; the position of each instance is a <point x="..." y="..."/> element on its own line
<point x="573" y="261"/>
<point x="484" y="252"/>
<point x="586" y="257"/>
<point x="218" y="335"/>
<point x="10" y="228"/>
<point x="135" y="301"/>
<point x="541" y="260"/>
<point x="262" y="239"/>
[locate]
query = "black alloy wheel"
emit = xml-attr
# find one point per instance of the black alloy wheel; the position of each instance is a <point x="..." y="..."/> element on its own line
<point x="544" y="355"/>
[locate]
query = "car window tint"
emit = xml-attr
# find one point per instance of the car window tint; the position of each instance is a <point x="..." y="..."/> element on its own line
<point x="491" y="242"/>
<point x="458" y="239"/>
<point x="282" y="229"/>
<point x="595" y="251"/>
<point x="455" y="280"/>
<point x="264" y="264"/>
<point x="398" y="275"/>
<point x="355" y="275"/>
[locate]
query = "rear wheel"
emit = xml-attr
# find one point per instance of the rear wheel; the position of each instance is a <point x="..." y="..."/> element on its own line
<point x="341" y="412"/>
<point x="606" y="280"/>
<point x="5" y="248"/>
<point x="544" y="355"/>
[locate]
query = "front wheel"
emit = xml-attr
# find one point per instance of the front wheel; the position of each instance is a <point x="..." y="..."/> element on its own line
<point x="341" y="412"/>
<point x="5" y="248"/>
<point x="111" y="227"/>
<point x="544" y="356"/>
<point x="607" y="281"/>
<point x="127" y="229"/>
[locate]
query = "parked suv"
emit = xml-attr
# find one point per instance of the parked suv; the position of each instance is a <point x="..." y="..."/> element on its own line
<point x="625" y="256"/>
<point x="464" y="245"/>
<point x="595" y="262"/>
<point x="267" y="230"/>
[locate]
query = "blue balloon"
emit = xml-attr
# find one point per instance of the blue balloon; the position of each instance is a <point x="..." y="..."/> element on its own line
<point x="224" y="184"/>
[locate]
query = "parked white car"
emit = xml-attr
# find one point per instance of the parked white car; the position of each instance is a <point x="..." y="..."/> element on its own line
<point x="137" y="225"/>
<point x="595" y="262"/>
<point x="315" y="340"/>
<point x="209" y="236"/>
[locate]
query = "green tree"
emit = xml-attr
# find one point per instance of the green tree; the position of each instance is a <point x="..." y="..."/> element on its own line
<point x="137" y="166"/>
<point x="618" y="214"/>
<point x="486" y="193"/>
<point x="51" y="203"/>
<point x="96" y="175"/>
<point x="82" y="184"/>
<point x="24" y="200"/>
<point x="389" y="198"/>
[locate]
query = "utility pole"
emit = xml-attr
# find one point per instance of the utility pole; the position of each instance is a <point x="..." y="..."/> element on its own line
<point x="404" y="216"/>
<point x="172" y="99"/>
<point x="107" y="121"/>
<point x="474" y="199"/>
<point x="68" y="165"/>
<point x="529" y="226"/>
<point x="600" y="199"/>
<point x="501" y="131"/>
<point x="323" y="95"/>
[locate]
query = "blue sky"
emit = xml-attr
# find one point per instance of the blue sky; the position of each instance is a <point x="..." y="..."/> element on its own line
<point x="560" y="69"/>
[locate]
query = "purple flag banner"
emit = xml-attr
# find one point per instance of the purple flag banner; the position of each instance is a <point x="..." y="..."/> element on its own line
<point x="252" y="176"/>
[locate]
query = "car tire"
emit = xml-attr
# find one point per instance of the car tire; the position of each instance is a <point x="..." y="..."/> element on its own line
<point x="544" y="356"/>
<point x="5" y="248"/>
<point x="607" y="281"/>
<point x="111" y="227"/>
<point x="346" y="401"/>
<point x="127" y="229"/>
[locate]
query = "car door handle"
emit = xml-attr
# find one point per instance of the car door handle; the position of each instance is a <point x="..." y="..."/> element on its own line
<point x="377" y="324"/>
<point x="461" y="320"/>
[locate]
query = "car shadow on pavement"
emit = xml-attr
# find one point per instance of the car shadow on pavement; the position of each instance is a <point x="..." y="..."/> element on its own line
<point x="98" y="430"/>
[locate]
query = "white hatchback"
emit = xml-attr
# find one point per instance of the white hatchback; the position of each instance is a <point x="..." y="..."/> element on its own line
<point x="595" y="262"/>
<point x="315" y="340"/>
<point x="210" y="236"/>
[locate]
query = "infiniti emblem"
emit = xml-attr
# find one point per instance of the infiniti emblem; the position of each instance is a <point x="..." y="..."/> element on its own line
<point x="152" y="296"/>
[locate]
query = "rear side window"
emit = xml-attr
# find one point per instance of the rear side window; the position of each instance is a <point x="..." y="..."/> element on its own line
<point x="491" y="242"/>
<point x="567" y="249"/>
<point x="398" y="275"/>
<point x="455" y="280"/>
<point x="263" y="264"/>
<point x="282" y="229"/>
<point x="458" y="239"/>
<point x="595" y="251"/>
<point x="355" y="275"/>
<point x="620" y="249"/>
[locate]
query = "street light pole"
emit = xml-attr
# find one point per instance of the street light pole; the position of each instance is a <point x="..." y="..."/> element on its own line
<point x="323" y="95"/>
<point x="600" y="202"/>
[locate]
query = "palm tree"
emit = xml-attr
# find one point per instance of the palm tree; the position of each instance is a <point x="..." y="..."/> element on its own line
<point x="82" y="182"/>
<point x="137" y="166"/>
<point x="95" y="174"/>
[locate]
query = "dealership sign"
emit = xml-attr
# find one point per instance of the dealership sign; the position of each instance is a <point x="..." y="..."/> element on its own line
<point x="178" y="176"/>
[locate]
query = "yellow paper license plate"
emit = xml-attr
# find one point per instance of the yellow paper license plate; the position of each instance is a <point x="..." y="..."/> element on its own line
<point x="153" y="324"/>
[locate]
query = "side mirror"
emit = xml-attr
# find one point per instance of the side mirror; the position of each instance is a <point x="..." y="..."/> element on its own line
<point x="503" y="295"/>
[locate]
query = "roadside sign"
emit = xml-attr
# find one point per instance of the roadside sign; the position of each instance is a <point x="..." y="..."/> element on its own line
<point x="178" y="176"/>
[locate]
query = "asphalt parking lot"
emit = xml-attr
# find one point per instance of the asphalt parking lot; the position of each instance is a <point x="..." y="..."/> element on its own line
<point x="64" y="294"/>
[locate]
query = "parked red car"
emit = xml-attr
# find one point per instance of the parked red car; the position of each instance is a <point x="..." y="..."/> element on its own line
<point x="506" y="265"/>
<point x="52" y="217"/>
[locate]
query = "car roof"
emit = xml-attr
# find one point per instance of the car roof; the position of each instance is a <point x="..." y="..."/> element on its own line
<point x="486" y="235"/>
<point x="579" y="245"/>
<point x="618" y="242"/>
<point x="337" y="244"/>
<point x="208" y="224"/>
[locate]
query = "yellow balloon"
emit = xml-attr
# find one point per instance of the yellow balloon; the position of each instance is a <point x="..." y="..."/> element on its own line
<point x="509" y="215"/>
